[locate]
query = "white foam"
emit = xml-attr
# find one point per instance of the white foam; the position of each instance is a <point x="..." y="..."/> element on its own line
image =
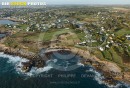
<point x="80" y="64"/>
<point x="55" y="60"/>
<point x="17" y="61"/>
<point x="13" y="59"/>
<point x="36" y="71"/>
<point x="99" y="78"/>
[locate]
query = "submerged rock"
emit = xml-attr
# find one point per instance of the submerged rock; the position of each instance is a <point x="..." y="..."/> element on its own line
<point x="28" y="65"/>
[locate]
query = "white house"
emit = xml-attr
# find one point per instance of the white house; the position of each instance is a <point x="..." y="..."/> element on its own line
<point x="128" y="37"/>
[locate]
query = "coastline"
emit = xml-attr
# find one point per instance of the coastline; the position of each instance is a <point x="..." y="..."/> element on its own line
<point x="12" y="19"/>
<point x="110" y="70"/>
<point x="17" y="52"/>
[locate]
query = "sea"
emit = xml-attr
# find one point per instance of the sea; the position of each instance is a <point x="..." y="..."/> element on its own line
<point x="58" y="73"/>
<point x="3" y="22"/>
<point x="2" y="35"/>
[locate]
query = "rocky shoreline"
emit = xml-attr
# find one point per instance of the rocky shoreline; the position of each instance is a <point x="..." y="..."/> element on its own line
<point x="34" y="59"/>
<point x="111" y="71"/>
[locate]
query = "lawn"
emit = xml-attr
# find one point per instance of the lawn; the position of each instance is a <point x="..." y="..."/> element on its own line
<point x="23" y="26"/>
<point x="99" y="54"/>
<point x="30" y="39"/>
<point x="80" y="34"/>
<point x="107" y="55"/>
<point x="115" y="57"/>
<point x="122" y="32"/>
<point x="49" y="35"/>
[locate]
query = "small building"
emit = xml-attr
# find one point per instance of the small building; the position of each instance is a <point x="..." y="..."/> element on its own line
<point x="101" y="48"/>
<point x="80" y="25"/>
<point x="128" y="37"/>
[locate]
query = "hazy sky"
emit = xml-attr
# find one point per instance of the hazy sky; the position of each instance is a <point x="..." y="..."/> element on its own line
<point x="78" y="1"/>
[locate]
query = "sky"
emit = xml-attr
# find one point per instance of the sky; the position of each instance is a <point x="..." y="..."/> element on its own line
<point x="76" y="1"/>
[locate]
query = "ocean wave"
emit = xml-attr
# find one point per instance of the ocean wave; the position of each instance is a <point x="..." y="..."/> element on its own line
<point x="13" y="59"/>
<point x="35" y="71"/>
<point x="80" y="64"/>
<point x="17" y="61"/>
<point x="99" y="78"/>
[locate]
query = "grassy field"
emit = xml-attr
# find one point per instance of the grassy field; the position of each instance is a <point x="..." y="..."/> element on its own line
<point x="115" y="57"/>
<point x="47" y="36"/>
<point x="122" y="32"/>
<point x="99" y="54"/>
<point x="80" y="34"/>
<point x="23" y="26"/>
<point x="110" y="55"/>
<point x="25" y="39"/>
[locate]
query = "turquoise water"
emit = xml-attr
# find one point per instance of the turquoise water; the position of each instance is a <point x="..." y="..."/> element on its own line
<point x="10" y="77"/>
<point x="6" y="22"/>
<point x="2" y="35"/>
